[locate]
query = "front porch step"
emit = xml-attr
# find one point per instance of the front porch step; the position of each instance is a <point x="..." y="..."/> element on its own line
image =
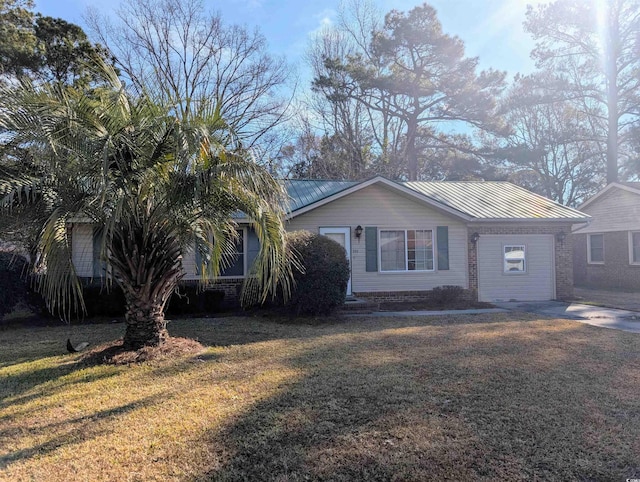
<point x="354" y="305"/>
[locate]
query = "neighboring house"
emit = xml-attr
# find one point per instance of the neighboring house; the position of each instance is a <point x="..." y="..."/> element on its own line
<point x="496" y="240"/>
<point x="607" y="250"/>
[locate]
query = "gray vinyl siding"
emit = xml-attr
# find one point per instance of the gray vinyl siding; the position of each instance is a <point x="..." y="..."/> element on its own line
<point x="536" y="284"/>
<point x="617" y="210"/>
<point x="384" y="209"/>
<point x="82" y="249"/>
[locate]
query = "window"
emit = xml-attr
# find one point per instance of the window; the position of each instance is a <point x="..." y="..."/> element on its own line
<point x="235" y="265"/>
<point x="247" y="246"/>
<point x="514" y="259"/>
<point x="595" y="248"/>
<point x="634" y="248"/>
<point x="406" y="250"/>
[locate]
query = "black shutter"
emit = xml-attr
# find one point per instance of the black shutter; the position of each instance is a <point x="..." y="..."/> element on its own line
<point x="371" y="243"/>
<point x="253" y="247"/>
<point x="198" y="262"/>
<point x="443" y="247"/>
<point x="99" y="266"/>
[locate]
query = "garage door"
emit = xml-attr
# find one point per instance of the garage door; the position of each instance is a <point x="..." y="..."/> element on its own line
<point x="516" y="267"/>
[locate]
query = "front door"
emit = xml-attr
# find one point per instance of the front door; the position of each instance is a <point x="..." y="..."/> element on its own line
<point x="342" y="236"/>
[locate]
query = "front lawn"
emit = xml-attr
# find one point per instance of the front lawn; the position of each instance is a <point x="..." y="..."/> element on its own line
<point x="469" y="397"/>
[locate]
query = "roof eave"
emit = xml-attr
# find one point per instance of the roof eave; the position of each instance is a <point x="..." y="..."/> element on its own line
<point x="605" y="190"/>
<point x="582" y="220"/>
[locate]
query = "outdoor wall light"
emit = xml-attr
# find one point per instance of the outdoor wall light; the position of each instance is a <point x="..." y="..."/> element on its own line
<point x="560" y="237"/>
<point x="358" y="231"/>
<point x="475" y="237"/>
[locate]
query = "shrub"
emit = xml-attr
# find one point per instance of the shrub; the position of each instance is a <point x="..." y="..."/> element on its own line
<point x="322" y="285"/>
<point x="191" y="299"/>
<point x="446" y="295"/>
<point x="14" y="285"/>
<point x="100" y="301"/>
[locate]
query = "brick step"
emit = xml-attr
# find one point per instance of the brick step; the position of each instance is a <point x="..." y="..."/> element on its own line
<point x="355" y="305"/>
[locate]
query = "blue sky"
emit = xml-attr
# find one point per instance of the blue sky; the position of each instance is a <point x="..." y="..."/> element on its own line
<point x="491" y="29"/>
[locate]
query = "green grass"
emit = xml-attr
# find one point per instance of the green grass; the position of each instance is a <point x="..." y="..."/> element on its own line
<point x="469" y="397"/>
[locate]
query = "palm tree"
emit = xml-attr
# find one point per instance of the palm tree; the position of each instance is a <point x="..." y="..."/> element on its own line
<point x="157" y="185"/>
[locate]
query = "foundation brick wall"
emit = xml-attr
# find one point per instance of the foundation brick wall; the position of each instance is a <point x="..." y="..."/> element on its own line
<point x="563" y="253"/>
<point x="616" y="272"/>
<point x="230" y="286"/>
<point x="427" y="295"/>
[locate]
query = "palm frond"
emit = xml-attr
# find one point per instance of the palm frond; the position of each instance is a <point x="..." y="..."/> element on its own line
<point x="60" y="285"/>
<point x="166" y="185"/>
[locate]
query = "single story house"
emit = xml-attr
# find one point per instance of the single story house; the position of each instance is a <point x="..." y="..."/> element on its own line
<point x="496" y="240"/>
<point x="607" y="250"/>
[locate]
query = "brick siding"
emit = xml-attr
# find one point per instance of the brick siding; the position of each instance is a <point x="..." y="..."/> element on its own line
<point x="616" y="272"/>
<point x="427" y="295"/>
<point x="230" y="286"/>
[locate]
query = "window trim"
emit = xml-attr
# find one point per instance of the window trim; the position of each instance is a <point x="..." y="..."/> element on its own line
<point x="406" y="251"/>
<point x="589" y="260"/>
<point x="524" y="259"/>
<point x="630" y="244"/>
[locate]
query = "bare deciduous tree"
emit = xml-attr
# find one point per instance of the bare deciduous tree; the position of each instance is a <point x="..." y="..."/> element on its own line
<point x="593" y="47"/>
<point x="364" y="133"/>
<point x="189" y="58"/>
<point x="550" y="148"/>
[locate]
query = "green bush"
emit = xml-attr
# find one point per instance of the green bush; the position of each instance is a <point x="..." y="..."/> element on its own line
<point x="322" y="285"/>
<point x="446" y="295"/>
<point x="14" y="284"/>
<point x="102" y="302"/>
<point x="188" y="300"/>
<point x="191" y="300"/>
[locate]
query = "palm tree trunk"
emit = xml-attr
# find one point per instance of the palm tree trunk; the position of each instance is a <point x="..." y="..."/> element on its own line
<point x="146" y="325"/>
<point x="146" y="258"/>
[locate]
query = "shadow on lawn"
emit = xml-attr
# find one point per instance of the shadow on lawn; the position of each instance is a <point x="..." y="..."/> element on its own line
<point x="441" y="402"/>
<point x="16" y="387"/>
<point x="20" y="378"/>
<point x="247" y="330"/>
<point x="75" y="431"/>
<point x="28" y="344"/>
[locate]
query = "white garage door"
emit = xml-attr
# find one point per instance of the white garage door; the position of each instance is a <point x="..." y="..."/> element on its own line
<point x="516" y="267"/>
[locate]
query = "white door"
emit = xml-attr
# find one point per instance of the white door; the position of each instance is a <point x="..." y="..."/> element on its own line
<point x="342" y="236"/>
<point x="516" y="267"/>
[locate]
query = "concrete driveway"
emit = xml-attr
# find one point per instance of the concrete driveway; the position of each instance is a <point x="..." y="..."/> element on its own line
<point x="592" y="315"/>
<point x="622" y="300"/>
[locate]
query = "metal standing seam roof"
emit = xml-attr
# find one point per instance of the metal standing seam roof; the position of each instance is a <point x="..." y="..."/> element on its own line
<point x="303" y="192"/>
<point x="499" y="200"/>
<point x="481" y="200"/>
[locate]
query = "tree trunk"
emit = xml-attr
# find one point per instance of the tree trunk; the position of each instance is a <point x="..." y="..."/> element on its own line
<point x="146" y="258"/>
<point x="146" y="325"/>
<point x="411" y="153"/>
<point x="611" y="55"/>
